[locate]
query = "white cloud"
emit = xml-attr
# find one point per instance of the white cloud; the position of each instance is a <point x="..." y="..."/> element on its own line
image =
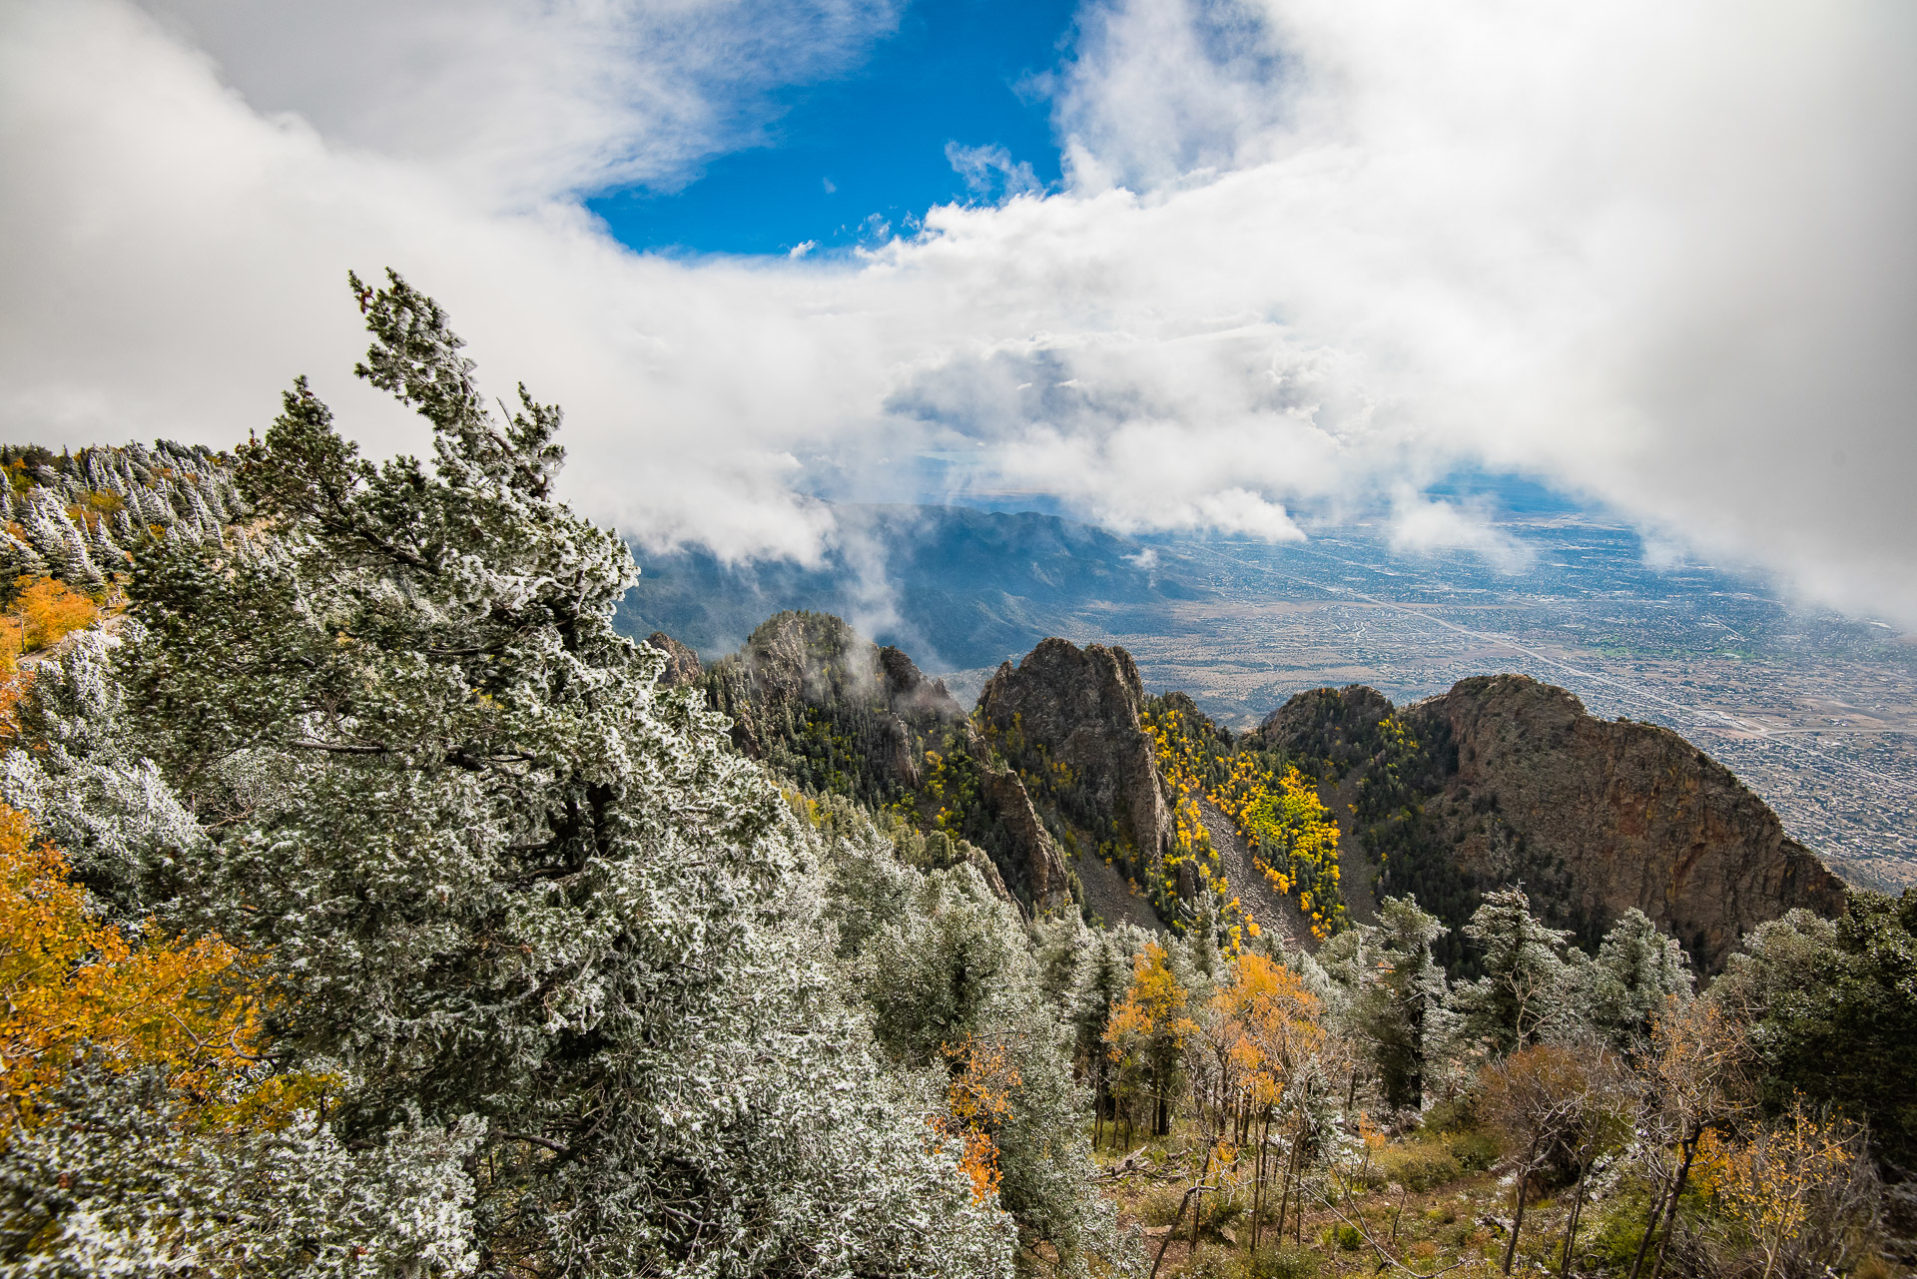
<point x="519" y="101"/>
<point x="1311" y="255"/>
<point x="1424" y="527"/>
<point x="990" y="172"/>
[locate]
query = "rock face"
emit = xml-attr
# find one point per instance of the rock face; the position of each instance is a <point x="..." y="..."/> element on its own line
<point x="1032" y="845"/>
<point x="1506" y="779"/>
<point x="841" y="714"/>
<point x="682" y="664"/>
<point x="1082" y="707"/>
<point x="809" y="694"/>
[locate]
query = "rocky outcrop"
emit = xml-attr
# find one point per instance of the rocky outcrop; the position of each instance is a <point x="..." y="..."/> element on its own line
<point x="682" y="664"/>
<point x="1045" y="875"/>
<point x="810" y="695"/>
<point x="1621" y="814"/>
<point x="908" y="694"/>
<point x="1078" y="708"/>
<point x="1505" y="779"/>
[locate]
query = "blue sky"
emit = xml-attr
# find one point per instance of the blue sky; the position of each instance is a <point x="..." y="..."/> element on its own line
<point x="866" y="153"/>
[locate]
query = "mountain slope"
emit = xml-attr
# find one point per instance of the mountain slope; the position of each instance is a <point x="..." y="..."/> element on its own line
<point x="1080" y="787"/>
<point x="1505" y="779"/>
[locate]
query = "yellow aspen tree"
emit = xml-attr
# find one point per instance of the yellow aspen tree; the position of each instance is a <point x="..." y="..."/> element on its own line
<point x="1278" y="1034"/>
<point x="977" y="1102"/>
<point x="49" y="611"/>
<point x="71" y="984"/>
<point x="1774" y="1184"/>
<point x="1149" y="1028"/>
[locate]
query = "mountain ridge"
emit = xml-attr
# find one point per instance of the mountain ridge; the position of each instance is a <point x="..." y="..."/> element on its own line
<point x="1077" y="786"/>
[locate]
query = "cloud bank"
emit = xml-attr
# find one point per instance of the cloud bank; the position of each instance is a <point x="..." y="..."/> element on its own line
<point x="1309" y="256"/>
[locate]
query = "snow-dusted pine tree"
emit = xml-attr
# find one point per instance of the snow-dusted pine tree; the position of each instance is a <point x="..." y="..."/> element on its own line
<point x="505" y="884"/>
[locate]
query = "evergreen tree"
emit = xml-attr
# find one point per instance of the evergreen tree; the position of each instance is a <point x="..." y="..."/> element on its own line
<point x="1396" y="988"/>
<point x="505" y="885"/>
<point x="1638" y="970"/>
<point x="1527" y="972"/>
<point x="954" y="973"/>
<point x="1832" y="1011"/>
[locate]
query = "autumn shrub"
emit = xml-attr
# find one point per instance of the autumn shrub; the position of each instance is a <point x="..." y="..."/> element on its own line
<point x="14" y="683"/>
<point x="1419" y="1165"/>
<point x="1283" y="1262"/>
<point x="1214" y="1262"/>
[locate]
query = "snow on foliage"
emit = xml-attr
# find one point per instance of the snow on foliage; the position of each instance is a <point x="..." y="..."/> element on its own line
<point x="557" y="945"/>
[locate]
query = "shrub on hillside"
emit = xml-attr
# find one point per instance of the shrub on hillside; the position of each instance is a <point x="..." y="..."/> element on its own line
<point x="1419" y="1165"/>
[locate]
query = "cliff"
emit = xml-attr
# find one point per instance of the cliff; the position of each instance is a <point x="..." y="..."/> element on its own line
<point x="682" y="664"/>
<point x="842" y="715"/>
<point x="1067" y="774"/>
<point x="1078" y="709"/>
<point x="1505" y="779"/>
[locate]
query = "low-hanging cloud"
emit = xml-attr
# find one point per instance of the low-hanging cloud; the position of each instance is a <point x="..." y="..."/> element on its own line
<point x="1309" y="256"/>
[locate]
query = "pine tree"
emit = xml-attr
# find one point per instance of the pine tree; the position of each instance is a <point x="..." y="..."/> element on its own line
<point x="1399" y="989"/>
<point x="1639" y="969"/>
<point x="1526" y="971"/>
<point x="505" y="883"/>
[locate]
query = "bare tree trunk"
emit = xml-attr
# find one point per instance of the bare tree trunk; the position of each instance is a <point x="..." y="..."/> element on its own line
<point x="1098" y="1110"/>
<point x="1571" y="1226"/>
<point x="1258" y="1181"/>
<point x="1517" y="1222"/>
<point x="1650" y="1231"/>
<point x="1173" y="1232"/>
<point x="1677" y="1191"/>
<point x="1284" y="1200"/>
<point x="1198" y="1200"/>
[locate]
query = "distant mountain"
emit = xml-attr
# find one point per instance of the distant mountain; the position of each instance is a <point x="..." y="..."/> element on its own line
<point x="1077" y="786"/>
<point x="960" y="588"/>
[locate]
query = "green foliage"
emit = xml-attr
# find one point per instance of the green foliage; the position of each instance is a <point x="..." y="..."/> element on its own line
<point x="1475" y="1149"/>
<point x="943" y="963"/>
<point x="1527" y="972"/>
<point x="1395" y="993"/>
<point x="1284" y="1262"/>
<point x="1832" y="1011"/>
<point x="1638" y="969"/>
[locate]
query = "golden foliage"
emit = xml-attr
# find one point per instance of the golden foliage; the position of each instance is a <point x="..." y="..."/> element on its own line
<point x="977" y="1102"/>
<point x="70" y="982"/>
<point x="1773" y="1184"/>
<point x="1293" y="838"/>
<point x="1154" y="1007"/>
<point x="44" y="613"/>
<point x="1273" y="1026"/>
